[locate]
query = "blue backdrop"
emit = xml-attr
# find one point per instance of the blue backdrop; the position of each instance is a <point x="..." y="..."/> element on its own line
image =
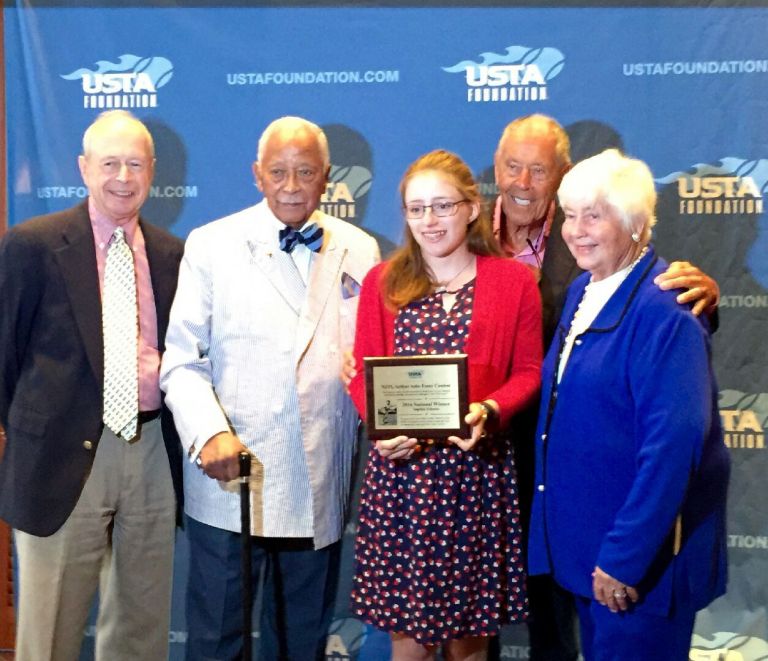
<point x="682" y="88"/>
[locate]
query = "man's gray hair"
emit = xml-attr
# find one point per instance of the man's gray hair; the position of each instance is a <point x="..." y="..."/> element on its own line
<point x="292" y="125"/>
<point x="120" y="116"/>
<point x="540" y="125"/>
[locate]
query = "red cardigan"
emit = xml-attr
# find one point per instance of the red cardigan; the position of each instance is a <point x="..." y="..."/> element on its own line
<point x="504" y="344"/>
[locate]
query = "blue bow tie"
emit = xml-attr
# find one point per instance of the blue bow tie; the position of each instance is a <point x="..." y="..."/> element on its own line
<point x="311" y="235"/>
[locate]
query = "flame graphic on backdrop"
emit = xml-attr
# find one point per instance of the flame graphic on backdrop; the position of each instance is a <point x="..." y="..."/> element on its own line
<point x="549" y="60"/>
<point x="739" y="167"/>
<point x="159" y="69"/>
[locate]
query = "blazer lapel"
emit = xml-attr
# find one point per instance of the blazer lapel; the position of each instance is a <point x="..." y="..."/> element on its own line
<point x="616" y="307"/>
<point x="323" y="278"/>
<point x="77" y="260"/>
<point x="277" y="266"/>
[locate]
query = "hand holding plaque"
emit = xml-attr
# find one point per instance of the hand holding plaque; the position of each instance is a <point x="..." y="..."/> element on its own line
<point x="481" y="419"/>
<point x="399" y="447"/>
<point x="416" y="396"/>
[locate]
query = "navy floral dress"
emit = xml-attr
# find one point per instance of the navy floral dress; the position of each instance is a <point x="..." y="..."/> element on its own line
<point x="438" y="553"/>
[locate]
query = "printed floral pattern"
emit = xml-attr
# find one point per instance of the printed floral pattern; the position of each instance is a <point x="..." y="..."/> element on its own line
<point x="438" y="553"/>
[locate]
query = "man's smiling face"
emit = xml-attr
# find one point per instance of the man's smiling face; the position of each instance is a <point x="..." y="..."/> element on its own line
<point x="528" y="174"/>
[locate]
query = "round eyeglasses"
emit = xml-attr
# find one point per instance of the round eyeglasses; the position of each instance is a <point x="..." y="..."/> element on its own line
<point x="440" y="209"/>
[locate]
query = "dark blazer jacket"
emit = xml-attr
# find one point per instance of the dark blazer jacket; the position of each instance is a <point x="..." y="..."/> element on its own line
<point x="52" y="363"/>
<point x="558" y="271"/>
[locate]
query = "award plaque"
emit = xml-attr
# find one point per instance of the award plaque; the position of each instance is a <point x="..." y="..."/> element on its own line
<point x="416" y="396"/>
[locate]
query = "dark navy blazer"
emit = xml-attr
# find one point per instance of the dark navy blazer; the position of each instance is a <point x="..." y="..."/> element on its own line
<point x="52" y="365"/>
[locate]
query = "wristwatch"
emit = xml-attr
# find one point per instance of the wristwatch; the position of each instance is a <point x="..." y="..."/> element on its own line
<point x="490" y="416"/>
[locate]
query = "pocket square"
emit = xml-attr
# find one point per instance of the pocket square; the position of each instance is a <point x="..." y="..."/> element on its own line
<point x="349" y="286"/>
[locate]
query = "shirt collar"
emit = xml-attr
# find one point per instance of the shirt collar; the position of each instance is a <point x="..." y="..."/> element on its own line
<point x="539" y="241"/>
<point x="104" y="227"/>
<point x="276" y="224"/>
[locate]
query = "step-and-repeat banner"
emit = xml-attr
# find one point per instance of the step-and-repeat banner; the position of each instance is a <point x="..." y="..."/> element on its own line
<point x="684" y="89"/>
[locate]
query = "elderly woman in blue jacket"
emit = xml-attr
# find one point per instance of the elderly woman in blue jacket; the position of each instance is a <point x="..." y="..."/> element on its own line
<point x="632" y="472"/>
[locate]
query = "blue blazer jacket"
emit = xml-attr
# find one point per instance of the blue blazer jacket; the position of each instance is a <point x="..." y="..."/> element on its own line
<point x="631" y="469"/>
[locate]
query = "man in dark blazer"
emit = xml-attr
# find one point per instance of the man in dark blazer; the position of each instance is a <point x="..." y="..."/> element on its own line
<point x="90" y="506"/>
<point x="532" y="156"/>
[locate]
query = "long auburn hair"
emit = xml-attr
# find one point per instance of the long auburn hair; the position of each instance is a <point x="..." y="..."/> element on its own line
<point x="407" y="277"/>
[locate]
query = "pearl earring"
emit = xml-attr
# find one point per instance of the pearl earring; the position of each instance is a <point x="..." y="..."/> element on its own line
<point x="635" y="237"/>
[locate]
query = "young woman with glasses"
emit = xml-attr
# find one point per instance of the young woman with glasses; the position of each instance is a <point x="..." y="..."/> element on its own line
<point x="439" y="548"/>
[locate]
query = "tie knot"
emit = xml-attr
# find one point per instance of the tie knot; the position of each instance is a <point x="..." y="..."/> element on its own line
<point x="118" y="235"/>
<point x="311" y="235"/>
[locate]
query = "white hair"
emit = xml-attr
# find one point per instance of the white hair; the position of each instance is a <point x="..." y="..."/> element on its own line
<point x="120" y="117"/>
<point x="624" y="184"/>
<point x="293" y="125"/>
<point x="538" y="125"/>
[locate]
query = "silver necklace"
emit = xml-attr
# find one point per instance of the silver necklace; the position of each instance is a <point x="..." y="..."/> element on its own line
<point x="442" y="287"/>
